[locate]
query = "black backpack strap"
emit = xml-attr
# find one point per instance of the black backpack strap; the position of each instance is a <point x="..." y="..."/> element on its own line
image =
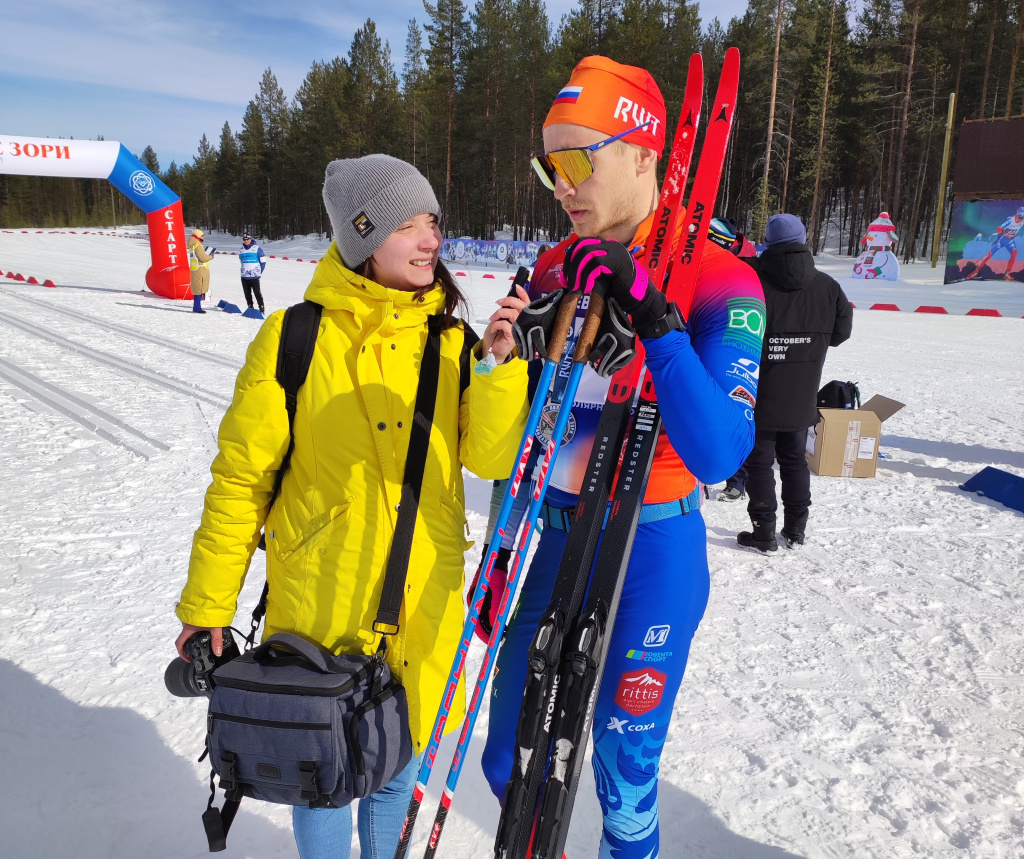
<point x="299" y="331"/>
<point x="391" y="595"/>
<point x="469" y="339"/>
<point x="294" y="355"/>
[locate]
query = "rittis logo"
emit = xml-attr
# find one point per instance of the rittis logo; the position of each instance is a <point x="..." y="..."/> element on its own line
<point x="640" y="692"/>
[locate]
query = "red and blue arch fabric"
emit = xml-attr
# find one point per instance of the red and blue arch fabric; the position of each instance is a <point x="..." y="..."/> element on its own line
<point x="168" y="275"/>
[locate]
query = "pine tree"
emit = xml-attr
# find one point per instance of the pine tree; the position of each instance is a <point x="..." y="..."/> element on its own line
<point x="448" y="36"/>
<point x="372" y="94"/>
<point x="414" y="75"/>
<point x="149" y="158"/>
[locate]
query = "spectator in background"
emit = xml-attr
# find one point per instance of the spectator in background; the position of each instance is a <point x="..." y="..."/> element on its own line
<point x="253" y="262"/>
<point x="806" y="312"/>
<point x="199" y="264"/>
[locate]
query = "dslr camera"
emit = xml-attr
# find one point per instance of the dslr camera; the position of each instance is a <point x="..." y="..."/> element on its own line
<point x="192" y="679"/>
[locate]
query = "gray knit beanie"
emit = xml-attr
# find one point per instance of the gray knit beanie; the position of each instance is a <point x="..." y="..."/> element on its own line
<point x="369" y="198"/>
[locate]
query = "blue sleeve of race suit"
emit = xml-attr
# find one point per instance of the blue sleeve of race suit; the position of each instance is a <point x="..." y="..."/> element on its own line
<point x="263" y="262"/>
<point x="706" y="377"/>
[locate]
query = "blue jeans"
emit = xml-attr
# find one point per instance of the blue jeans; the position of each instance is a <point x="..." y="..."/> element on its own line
<point x="326" y="833"/>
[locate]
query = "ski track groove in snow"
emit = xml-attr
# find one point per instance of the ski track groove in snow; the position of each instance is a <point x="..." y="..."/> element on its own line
<point x="141" y="372"/>
<point x="32" y="384"/>
<point x="859" y="697"/>
<point x="223" y="360"/>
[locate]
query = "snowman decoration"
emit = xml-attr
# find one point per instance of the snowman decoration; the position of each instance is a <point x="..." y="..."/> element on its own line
<point x="877" y="261"/>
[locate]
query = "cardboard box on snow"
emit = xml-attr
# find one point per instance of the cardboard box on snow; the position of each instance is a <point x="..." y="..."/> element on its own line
<point x="845" y="441"/>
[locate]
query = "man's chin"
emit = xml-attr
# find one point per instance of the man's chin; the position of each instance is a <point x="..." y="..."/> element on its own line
<point x="584" y="226"/>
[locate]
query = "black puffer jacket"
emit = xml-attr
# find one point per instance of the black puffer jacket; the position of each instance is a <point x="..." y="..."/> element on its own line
<point x="807" y="312"/>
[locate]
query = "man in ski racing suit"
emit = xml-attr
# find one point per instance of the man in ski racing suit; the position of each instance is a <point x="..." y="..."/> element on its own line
<point x="706" y="381"/>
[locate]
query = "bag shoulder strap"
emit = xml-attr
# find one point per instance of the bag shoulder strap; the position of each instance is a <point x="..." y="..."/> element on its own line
<point x="397" y="569"/>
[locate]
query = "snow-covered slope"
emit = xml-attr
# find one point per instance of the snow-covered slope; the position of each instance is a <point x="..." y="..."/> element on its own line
<point x="861" y="697"/>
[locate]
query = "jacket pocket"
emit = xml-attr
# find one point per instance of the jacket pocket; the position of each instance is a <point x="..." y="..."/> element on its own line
<point x="318" y="529"/>
<point x="454" y="517"/>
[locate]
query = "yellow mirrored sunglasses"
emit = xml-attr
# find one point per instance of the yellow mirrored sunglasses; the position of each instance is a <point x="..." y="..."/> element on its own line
<point x="573" y="165"/>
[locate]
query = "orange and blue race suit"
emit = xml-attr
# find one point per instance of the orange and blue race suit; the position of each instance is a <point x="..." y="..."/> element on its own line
<point x="706" y="382"/>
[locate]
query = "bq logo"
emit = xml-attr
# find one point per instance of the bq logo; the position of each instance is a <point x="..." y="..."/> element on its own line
<point x="640" y="693"/>
<point x="746" y="324"/>
<point x="141" y="183"/>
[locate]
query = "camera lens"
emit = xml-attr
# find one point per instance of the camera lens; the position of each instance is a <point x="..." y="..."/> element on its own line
<point x="180" y="679"/>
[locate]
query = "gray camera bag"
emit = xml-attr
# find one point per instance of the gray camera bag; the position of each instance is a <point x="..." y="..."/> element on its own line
<point x="292" y="723"/>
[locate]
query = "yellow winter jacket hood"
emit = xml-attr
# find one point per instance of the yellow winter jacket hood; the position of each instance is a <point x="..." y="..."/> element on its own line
<point x="330" y="529"/>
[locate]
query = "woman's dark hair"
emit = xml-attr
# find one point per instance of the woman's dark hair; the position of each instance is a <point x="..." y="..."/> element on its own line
<point x="454" y="298"/>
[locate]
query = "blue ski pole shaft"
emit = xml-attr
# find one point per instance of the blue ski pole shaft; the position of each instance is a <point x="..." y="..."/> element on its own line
<point x="583" y="344"/>
<point x="483" y="582"/>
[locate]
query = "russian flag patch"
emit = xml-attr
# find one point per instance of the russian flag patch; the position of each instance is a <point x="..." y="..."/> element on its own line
<point x="569" y="95"/>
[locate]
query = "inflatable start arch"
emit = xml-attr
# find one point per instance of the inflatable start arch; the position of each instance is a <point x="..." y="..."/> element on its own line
<point x="104" y="159"/>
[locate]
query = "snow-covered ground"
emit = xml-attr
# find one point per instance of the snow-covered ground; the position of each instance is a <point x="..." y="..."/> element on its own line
<point x="862" y="697"/>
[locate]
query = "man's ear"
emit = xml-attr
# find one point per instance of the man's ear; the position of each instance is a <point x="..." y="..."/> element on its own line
<point x="646" y="160"/>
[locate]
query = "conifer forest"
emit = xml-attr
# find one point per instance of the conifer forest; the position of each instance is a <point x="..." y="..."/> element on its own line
<point x="842" y="114"/>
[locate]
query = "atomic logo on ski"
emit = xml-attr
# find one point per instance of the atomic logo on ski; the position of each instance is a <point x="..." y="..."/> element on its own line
<point x="639" y="693"/>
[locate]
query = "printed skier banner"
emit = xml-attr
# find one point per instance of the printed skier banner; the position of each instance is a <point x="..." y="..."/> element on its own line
<point x="467" y="251"/>
<point x="106" y="159"/>
<point x="986" y="241"/>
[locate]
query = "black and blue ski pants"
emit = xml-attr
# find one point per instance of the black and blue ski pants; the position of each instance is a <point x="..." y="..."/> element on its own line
<point x="663" y="600"/>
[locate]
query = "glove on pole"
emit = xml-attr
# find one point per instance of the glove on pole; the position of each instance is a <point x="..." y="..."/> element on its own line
<point x="608" y="266"/>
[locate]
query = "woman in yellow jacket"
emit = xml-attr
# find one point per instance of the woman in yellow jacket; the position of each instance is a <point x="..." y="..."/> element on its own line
<point x="330" y="528"/>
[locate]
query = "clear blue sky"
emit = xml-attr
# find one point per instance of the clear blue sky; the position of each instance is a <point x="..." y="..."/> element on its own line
<point x="163" y="74"/>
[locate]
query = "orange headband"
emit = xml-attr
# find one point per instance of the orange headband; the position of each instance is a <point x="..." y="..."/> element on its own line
<point x="610" y="97"/>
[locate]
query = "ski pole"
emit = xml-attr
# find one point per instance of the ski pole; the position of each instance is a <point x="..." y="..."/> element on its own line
<point x="567" y="310"/>
<point x="586" y="339"/>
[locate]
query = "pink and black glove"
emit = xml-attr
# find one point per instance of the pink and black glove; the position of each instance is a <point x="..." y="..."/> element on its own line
<point x="609" y="267"/>
<point x="492" y="599"/>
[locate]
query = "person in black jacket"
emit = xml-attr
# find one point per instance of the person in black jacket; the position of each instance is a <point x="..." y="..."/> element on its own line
<point x="806" y="313"/>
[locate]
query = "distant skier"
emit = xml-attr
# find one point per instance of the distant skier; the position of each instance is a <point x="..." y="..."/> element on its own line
<point x="807" y="313"/>
<point x="1006" y="237"/>
<point x="610" y="192"/>
<point x="253" y="262"/>
<point x="199" y="265"/>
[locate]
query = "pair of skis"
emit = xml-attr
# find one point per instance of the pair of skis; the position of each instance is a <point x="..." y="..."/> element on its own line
<point x="525" y="786"/>
<point x="569" y="652"/>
